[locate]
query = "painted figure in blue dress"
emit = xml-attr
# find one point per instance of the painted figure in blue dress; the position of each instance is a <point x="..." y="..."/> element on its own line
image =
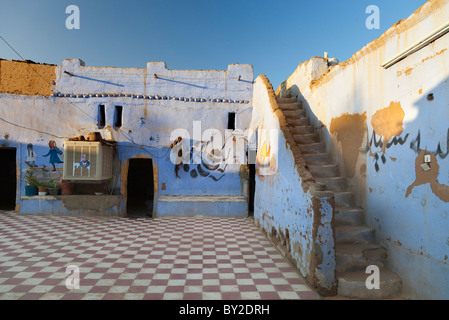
<point x="53" y="153"/>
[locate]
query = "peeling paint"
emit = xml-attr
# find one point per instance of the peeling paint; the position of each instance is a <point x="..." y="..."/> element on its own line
<point x="388" y="122"/>
<point x="435" y="55"/>
<point x="401" y="26"/>
<point x="363" y="170"/>
<point x="349" y="129"/>
<point x="431" y="177"/>
<point x="408" y="71"/>
<point x="360" y="85"/>
<point x="288" y="213"/>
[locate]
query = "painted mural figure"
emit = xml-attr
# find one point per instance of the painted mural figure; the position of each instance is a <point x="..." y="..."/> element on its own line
<point x="84" y="163"/>
<point x="53" y="153"/>
<point x="31" y="156"/>
<point x="178" y="161"/>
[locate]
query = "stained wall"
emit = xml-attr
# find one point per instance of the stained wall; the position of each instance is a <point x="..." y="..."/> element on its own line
<point x="26" y="77"/>
<point x="287" y="207"/>
<point x="378" y="124"/>
<point x="155" y="111"/>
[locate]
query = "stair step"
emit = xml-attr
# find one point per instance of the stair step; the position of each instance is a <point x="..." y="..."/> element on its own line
<point x="334" y="183"/>
<point x="349" y="216"/>
<point x="294" y="114"/>
<point x="305" y="121"/>
<point x="285" y="100"/>
<point x="317" y="159"/>
<point x="318" y="147"/>
<point x="306" y="138"/>
<point x="324" y="171"/>
<point x="352" y="257"/>
<point x="344" y="199"/>
<point x="302" y="129"/>
<point x="290" y="106"/>
<point x="353" y="285"/>
<point x="354" y="234"/>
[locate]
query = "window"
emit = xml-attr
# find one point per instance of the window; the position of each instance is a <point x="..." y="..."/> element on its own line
<point x="231" y="120"/>
<point x="101" y="117"/>
<point x="118" y="117"/>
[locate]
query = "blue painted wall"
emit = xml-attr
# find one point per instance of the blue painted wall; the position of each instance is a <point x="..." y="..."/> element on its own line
<point x="153" y="109"/>
<point x="293" y="215"/>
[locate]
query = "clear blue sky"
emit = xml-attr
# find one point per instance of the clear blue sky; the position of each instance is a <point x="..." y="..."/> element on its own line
<point x="274" y="36"/>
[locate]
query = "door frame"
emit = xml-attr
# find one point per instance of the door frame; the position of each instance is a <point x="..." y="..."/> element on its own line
<point x="124" y="181"/>
<point x="18" y="176"/>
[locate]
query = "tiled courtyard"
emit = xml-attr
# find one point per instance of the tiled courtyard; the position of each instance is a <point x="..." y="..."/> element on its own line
<point x="162" y="258"/>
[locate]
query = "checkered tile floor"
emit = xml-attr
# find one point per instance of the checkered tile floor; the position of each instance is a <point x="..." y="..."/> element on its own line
<point x="162" y="258"/>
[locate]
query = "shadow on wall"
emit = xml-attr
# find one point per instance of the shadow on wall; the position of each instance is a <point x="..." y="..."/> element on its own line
<point x="427" y="134"/>
<point x="102" y="81"/>
<point x="343" y="139"/>
<point x="385" y="131"/>
<point x="181" y="82"/>
<point x="406" y="164"/>
<point x="415" y="165"/>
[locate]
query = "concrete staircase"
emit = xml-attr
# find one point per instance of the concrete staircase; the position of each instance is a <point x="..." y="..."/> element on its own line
<point x="355" y="242"/>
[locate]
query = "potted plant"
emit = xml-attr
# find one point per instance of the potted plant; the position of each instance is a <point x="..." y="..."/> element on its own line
<point x="110" y="185"/>
<point x="66" y="188"/>
<point x="54" y="188"/>
<point x="42" y="188"/>
<point x="31" y="183"/>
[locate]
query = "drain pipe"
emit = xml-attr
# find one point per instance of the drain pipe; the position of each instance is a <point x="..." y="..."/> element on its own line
<point x="417" y="46"/>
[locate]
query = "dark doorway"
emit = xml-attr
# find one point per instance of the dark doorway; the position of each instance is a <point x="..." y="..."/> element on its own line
<point x="140" y="194"/>
<point x="252" y="188"/>
<point x="231" y="120"/>
<point x="8" y="179"/>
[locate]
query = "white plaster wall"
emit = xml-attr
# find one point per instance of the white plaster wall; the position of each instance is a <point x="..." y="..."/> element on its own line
<point x="281" y="203"/>
<point x="147" y="122"/>
<point x="414" y="229"/>
<point x="235" y="83"/>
